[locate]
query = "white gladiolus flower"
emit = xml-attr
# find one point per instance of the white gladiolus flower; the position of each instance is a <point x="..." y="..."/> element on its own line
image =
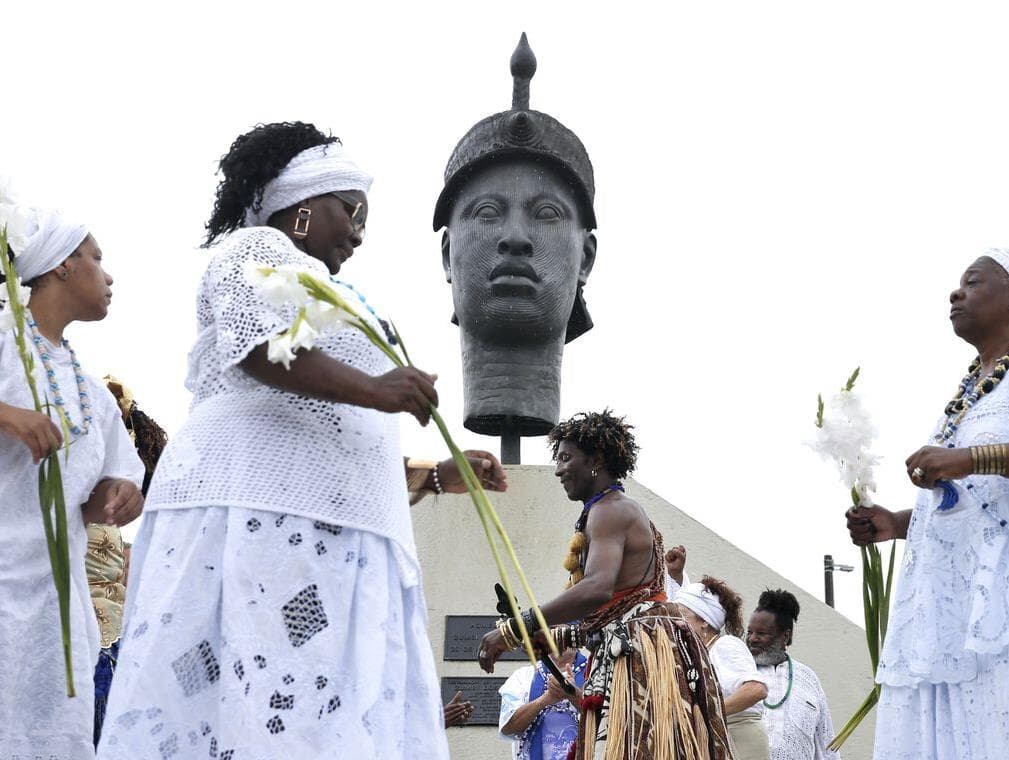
<point x="845" y="439"/>
<point x="323" y="316"/>
<point x="279" y="350"/>
<point x="304" y="335"/>
<point x="281" y="288"/>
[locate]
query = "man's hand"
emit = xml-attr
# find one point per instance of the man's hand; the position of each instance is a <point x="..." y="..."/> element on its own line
<point x="931" y="463"/>
<point x="868" y="525"/>
<point x="485" y="465"/>
<point x="34" y="429"/>
<point x="123" y="502"/>
<point x="676" y="560"/>
<point x="457" y="712"/>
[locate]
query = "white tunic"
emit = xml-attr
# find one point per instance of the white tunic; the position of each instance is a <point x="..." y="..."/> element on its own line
<point x="801" y="728"/>
<point x="945" y="662"/>
<point x="734" y="666"/>
<point x="274" y="607"/>
<point x="36" y="717"/>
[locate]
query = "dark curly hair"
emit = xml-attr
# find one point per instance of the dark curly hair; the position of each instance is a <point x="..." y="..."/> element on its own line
<point x="599" y="432"/>
<point x="731" y="602"/>
<point x="783" y="605"/>
<point x="254" y="159"/>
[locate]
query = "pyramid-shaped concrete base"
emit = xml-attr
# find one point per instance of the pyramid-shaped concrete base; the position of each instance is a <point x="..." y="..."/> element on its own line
<point x="459" y="576"/>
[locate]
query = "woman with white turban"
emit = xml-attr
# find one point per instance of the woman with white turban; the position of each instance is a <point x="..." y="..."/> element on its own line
<point x="275" y="606"/>
<point x="711" y="607"/>
<point x="60" y="265"/>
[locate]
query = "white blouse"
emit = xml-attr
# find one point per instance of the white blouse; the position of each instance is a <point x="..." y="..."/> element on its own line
<point x="734" y="666"/>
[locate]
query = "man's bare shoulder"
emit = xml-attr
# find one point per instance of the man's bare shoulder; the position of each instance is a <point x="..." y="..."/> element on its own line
<point x="619" y="512"/>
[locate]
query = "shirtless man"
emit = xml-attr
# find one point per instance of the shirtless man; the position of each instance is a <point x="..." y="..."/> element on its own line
<point x="650" y="689"/>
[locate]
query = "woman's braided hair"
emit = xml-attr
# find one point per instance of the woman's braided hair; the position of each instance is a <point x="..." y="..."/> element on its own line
<point x="599" y="432"/>
<point x="254" y="159"/>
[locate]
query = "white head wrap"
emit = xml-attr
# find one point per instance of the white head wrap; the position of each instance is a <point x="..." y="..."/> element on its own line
<point x="702" y="603"/>
<point x="41" y="239"/>
<point x="1000" y="256"/>
<point x="316" y="171"/>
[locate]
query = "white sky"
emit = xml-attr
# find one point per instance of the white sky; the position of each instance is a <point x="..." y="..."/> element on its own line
<point x="785" y="190"/>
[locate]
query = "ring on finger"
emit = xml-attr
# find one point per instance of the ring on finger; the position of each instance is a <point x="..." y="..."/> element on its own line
<point x="917" y="473"/>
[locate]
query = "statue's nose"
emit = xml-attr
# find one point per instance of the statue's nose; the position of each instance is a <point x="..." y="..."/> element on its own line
<point x="515" y="242"/>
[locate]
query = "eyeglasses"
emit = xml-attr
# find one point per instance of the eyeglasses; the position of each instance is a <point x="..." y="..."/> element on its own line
<point x="356" y="211"/>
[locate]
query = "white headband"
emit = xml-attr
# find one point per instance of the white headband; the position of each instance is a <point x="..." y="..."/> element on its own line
<point x="316" y="171"/>
<point x="1000" y="257"/>
<point x="41" y="239"/>
<point x="702" y="603"/>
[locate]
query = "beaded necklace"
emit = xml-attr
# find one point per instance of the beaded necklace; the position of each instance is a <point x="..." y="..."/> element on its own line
<point x="54" y="386"/>
<point x="389" y="334"/>
<point x="788" y="691"/>
<point x="583" y="518"/>
<point x="962" y="402"/>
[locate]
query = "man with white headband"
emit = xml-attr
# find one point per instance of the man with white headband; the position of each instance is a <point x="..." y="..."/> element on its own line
<point x="709" y="607"/>
<point x="276" y="609"/>
<point x="944" y="668"/>
<point x="60" y="265"/>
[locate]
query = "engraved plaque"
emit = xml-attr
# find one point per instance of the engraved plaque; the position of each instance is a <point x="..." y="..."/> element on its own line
<point x="481" y="691"/>
<point x="463" y="634"/>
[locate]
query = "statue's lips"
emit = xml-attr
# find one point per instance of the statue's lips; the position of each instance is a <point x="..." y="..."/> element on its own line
<point x="514" y="271"/>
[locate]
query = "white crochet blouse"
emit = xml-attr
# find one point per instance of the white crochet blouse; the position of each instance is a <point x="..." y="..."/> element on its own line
<point x="247" y="444"/>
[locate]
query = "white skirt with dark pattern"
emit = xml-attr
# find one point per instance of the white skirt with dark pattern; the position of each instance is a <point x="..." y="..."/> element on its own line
<point x="254" y="635"/>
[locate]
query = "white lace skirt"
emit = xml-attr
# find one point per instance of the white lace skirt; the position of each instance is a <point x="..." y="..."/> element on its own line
<point x="261" y="636"/>
<point x="957" y="721"/>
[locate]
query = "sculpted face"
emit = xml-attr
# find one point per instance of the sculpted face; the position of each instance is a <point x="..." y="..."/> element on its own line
<point x="515" y="252"/>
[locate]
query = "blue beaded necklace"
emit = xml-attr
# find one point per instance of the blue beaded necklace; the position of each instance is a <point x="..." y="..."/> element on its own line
<point x="389" y="334"/>
<point x="589" y="503"/>
<point x="54" y="386"/>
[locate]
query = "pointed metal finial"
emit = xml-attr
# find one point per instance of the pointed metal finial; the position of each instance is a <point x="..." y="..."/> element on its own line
<point x="523" y="66"/>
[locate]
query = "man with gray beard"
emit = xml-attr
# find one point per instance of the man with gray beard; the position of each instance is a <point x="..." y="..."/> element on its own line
<point x="797" y="717"/>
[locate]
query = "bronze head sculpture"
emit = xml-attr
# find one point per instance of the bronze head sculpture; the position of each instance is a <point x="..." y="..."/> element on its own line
<point x="518" y="248"/>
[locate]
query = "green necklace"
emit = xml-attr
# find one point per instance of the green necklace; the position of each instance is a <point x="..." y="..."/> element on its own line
<point x="788" y="691"/>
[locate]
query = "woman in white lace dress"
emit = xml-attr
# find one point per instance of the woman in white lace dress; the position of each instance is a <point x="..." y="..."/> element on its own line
<point x="61" y="263"/>
<point x="275" y="608"/>
<point x="944" y="669"/>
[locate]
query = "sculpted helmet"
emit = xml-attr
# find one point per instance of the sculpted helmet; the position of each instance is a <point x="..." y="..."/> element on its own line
<point x="529" y="135"/>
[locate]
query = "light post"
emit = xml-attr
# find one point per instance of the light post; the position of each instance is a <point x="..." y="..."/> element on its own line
<point x="828" y="576"/>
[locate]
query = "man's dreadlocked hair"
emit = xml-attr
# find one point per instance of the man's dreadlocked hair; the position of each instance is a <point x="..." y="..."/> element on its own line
<point x="599" y="432"/>
<point x="255" y="158"/>
<point x="783" y="605"/>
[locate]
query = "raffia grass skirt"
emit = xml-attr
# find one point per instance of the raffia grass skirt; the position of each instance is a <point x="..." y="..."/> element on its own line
<point x="749" y="737"/>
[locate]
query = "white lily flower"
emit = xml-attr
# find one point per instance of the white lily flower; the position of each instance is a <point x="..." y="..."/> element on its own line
<point x="279" y="350"/>
<point x="304" y="336"/>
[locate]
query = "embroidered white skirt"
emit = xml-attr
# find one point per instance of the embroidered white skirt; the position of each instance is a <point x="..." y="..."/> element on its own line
<point x="947" y="721"/>
<point x="261" y="636"/>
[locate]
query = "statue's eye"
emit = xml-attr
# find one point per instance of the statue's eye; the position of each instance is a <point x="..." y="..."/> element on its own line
<point x="487" y="211"/>
<point x="548" y="212"/>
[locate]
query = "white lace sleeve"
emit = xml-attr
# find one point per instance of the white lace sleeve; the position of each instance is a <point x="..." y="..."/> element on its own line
<point x="229" y="304"/>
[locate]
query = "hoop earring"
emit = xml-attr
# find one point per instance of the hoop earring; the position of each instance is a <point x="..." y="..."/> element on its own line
<point x="594" y="473"/>
<point x="301" y="222"/>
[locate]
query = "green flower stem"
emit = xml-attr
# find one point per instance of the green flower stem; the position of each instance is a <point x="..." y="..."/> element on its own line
<point x="51" y="498"/>
<point x="855" y="720"/>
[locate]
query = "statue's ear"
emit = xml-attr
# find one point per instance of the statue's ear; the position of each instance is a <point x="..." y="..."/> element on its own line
<point x="588" y="258"/>
<point x="446" y="261"/>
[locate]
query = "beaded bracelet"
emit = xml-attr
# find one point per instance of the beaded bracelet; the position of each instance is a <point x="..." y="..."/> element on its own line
<point x="436" y="480"/>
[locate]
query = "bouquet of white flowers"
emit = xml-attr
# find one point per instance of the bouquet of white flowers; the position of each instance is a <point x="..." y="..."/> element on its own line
<point x="13" y="310"/>
<point x="322" y="309"/>
<point x="844" y="433"/>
